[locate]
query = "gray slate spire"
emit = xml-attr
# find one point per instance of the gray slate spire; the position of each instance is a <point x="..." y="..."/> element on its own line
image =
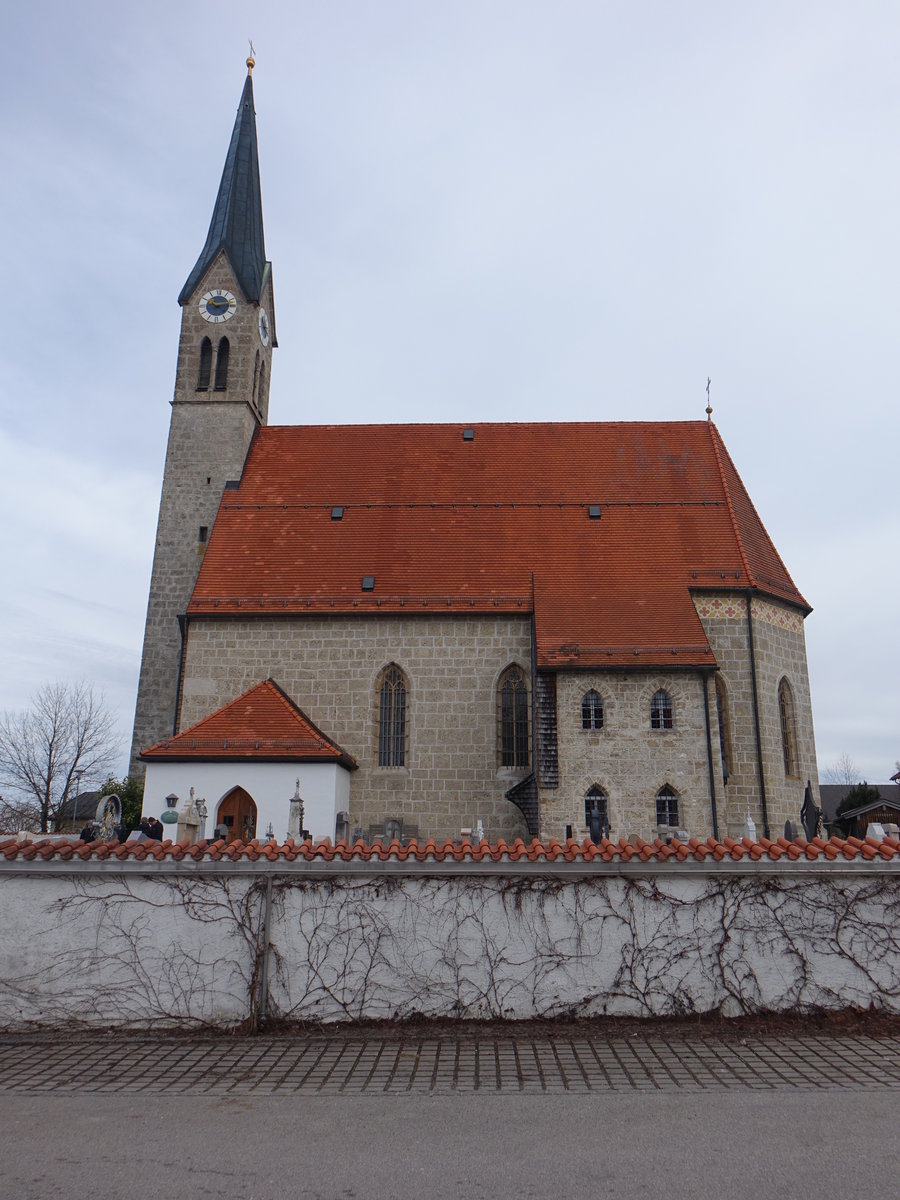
<point x="237" y="223"/>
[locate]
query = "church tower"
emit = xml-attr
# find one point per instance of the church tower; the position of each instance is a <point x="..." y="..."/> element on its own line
<point x="221" y="398"/>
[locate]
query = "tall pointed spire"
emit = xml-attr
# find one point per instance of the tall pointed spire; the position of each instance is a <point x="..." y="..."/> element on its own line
<point x="237" y="224"/>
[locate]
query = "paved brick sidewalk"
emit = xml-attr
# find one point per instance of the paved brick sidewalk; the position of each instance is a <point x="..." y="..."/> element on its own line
<point x="442" y="1064"/>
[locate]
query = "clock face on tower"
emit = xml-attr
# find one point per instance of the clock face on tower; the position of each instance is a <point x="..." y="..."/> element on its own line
<point x="263" y="327"/>
<point x="217" y="305"/>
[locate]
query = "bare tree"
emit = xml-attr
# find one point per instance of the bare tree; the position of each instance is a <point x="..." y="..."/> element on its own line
<point x="844" y="771"/>
<point x="66" y="736"/>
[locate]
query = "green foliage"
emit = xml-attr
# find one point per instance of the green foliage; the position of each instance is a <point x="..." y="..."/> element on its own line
<point x="131" y="792"/>
<point x="859" y="794"/>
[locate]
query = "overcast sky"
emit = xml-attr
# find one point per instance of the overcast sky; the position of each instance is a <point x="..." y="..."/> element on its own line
<point x="475" y="211"/>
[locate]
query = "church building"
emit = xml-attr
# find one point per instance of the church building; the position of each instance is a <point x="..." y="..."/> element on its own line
<point x="435" y="625"/>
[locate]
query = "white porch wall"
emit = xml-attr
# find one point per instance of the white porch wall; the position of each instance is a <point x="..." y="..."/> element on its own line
<point x="325" y="788"/>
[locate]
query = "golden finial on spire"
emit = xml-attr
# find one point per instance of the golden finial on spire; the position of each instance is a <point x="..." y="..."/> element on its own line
<point x="251" y="61"/>
<point x="708" y="405"/>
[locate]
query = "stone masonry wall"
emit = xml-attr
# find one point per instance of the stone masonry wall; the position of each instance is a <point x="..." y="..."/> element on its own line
<point x="781" y="653"/>
<point x="626" y="758"/>
<point x="330" y="668"/>
<point x="780" y="650"/>
<point x="209" y="435"/>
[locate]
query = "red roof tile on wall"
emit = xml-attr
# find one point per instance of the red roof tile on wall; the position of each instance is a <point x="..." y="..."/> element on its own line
<point x="799" y="852"/>
<point x="496" y="524"/>
<point x="263" y="723"/>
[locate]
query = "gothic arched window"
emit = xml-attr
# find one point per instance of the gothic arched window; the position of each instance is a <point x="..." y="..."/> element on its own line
<point x="596" y="793"/>
<point x="205" y="365"/>
<point x="392" y="718"/>
<point x="592" y="710"/>
<point x="667" y="806"/>
<point x="261" y="390"/>
<point x="724" y="727"/>
<point x="661" y="710"/>
<point x="256" y="378"/>
<point x="788" y="729"/>
<point x="512" y="696"/>
<point x="222" y="365"/>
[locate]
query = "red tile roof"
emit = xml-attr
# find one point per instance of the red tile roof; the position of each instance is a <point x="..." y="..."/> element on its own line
<point x="498" y="524"/>
<point x="262" y="724"/>
<point x="729" y="850"/>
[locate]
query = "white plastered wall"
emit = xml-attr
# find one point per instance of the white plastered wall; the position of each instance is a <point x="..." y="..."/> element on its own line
<point x="324" y="788"/>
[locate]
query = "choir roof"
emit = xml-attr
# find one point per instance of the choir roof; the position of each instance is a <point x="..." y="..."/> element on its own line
<point x="601" y="530"/>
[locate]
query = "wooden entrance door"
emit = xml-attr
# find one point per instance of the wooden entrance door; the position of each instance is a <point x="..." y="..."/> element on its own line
<point x="237" y="813"/>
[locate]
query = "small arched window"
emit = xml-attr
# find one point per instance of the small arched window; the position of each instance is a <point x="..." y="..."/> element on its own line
<point x="392" y="718"/>
<point x="592" y="710"/>
<point x="667" y="807"/>
<point x="788" y="728"/>
<point x="661" y="710"/>
<point x="205" y="365"/>
<point x="724" y="728"/>
<point x="597" y="794"/>
<point x="513" y="710"/>
<point x="222" y="365"/>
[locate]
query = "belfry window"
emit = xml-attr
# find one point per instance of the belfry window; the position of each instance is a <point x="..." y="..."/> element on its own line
<point x="667" y="807"/>
<point x="592" y="711"/>
<point x="222" y="365"/>
<point x="661" y="716"/>
<point x="205" y="365"/>
<point x="788" y="728"/>
<point x="513" y="711"/>
<point x="392" y="718"/>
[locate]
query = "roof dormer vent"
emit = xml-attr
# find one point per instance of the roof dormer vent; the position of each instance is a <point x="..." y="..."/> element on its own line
<point x="368" y="583"/>
<point x="337" y="513"/>
<point x="594" y="512"/>
<point x="469" y="435"/>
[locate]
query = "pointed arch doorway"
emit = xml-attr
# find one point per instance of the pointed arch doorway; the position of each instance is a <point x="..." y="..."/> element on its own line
<point x="237" y="812"/>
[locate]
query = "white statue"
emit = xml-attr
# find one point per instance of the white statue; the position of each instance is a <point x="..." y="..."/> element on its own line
<point x="749" y="827"/>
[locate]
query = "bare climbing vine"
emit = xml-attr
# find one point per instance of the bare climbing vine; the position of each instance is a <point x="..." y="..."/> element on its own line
<point x="194" y="950"/>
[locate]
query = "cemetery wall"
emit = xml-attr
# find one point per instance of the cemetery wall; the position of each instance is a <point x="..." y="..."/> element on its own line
<point x="224" y="945"/>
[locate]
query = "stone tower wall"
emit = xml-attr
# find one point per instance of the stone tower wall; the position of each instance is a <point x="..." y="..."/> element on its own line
<point x="330" y="668"/>
<point x="209" y="435"/>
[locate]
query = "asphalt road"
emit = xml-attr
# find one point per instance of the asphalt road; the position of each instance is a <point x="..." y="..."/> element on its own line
<point x="794" y="1145"/>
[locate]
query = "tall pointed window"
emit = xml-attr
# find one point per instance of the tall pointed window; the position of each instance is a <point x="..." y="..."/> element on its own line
<point x="513" y="711"/>
<point x="724" y="728"/>
<point x="667" y="806"/>
<point x="597" y="794"/>
<point x="788" y="729"/>
<point x="661" y="716"/>
<point x="222" y="365"/>
<point x="256" y="379"/>
<point x="205" y="365"/>
<point x="592" y="710"/>
<point x="392" y="718"/>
